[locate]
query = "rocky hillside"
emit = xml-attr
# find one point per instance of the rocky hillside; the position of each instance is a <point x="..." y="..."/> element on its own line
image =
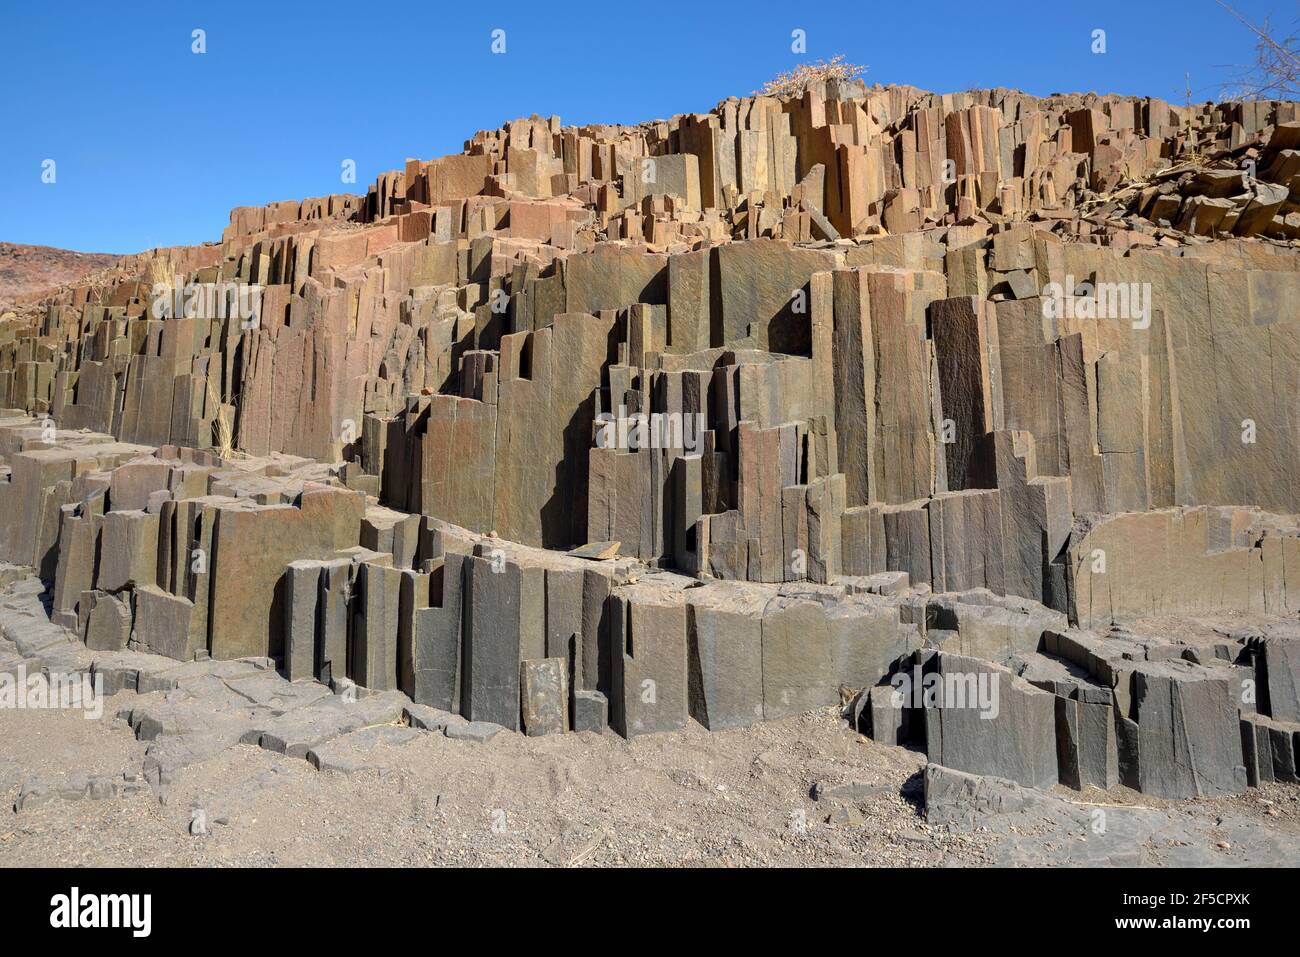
<point x="27" y="272"/>
<point x="830" y="399"/>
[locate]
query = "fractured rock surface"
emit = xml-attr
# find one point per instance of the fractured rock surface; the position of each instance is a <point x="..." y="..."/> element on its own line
<point x="722" y="418"/>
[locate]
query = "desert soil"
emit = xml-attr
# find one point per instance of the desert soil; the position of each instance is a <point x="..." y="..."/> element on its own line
<point x="732" y="798"/>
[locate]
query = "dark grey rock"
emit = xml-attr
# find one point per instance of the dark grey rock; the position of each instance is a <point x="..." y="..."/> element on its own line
<point x="590" y="711"/>
<point x="477" y="731"/>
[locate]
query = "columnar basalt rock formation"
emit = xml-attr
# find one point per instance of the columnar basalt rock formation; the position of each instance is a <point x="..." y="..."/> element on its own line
<point x="721" y="418"/>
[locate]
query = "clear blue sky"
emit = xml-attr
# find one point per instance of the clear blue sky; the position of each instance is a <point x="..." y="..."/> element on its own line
<point x="154" y="144"/>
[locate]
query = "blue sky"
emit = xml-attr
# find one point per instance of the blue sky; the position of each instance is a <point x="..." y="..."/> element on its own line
<point x="154" y="144"/>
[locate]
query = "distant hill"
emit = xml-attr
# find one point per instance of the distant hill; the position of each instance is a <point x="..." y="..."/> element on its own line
<point x="26" y="271"/>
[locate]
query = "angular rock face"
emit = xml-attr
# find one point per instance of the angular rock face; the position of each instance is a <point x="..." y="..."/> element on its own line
<point x="162" y="623"/>
<point x="987" y="720"/>
<point x="649" y="684"/>
<point x="1279" y="671"/>
<point x="108" y="622"/>
<point x="1183" y="737"/>
<point x="725" y="652"/>
<point x="544" y="696"/>
<point x="721" y="418"/>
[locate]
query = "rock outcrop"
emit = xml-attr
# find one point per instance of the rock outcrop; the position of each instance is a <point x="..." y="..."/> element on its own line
<point x="724" y="418"/>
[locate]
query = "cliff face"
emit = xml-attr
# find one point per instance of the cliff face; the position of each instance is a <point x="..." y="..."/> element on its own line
<point x="880" y="343"/>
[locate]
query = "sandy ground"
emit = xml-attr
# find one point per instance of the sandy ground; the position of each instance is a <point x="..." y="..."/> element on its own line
<point x="689" y="798"/>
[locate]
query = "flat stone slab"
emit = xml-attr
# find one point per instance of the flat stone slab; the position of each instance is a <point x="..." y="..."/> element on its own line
<point x="364" y="750"/>
<point x="299" y="731"/>
<point x="167" y="755"/>
<point x="33" y="634"/>
<point x="425" y="718"/>
<point x="596" y="551"/>
<point x="853" y="791"/>
<point x="124" y="671"/>
<point x="268" y="690"/>
<point x="478" y="731"/>
<point x="10" y="664"/>
<point x="180" y="675"/>
<point x="195" y="709"/>
<point x="1034" y="827"/>
<point x="77" y="786"/>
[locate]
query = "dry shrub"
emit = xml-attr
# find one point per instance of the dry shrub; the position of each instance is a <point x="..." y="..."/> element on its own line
<point x="804" y="75"/>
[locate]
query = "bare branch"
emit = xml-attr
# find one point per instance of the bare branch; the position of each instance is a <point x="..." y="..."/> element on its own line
<point x="1276" y="71"/>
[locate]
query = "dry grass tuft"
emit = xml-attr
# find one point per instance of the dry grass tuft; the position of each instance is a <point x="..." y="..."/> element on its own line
<point x="223" y="438"/>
